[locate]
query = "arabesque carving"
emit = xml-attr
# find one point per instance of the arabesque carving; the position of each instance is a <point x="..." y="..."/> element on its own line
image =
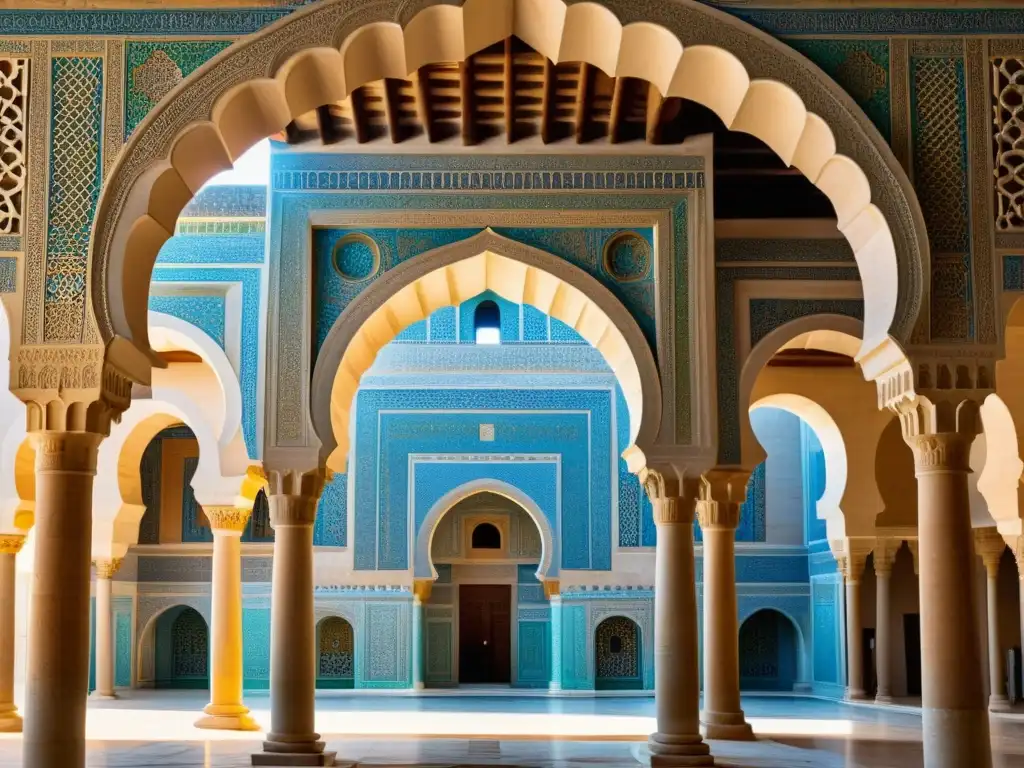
<point x="1008" y="141"/>
<point x="228" y="519"/>
<point x="13" y="151"/>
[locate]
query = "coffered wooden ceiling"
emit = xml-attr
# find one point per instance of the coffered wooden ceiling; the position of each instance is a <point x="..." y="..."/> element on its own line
<point x="509" y="93"/>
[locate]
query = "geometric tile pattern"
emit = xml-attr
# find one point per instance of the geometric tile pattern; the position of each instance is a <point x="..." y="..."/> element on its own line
<point x="75" y="179"/>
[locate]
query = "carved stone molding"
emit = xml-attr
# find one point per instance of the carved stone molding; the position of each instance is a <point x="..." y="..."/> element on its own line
<point x="940" y="431"/>
<point x="66" y="451"/>
<point x="989" y="546"/>
<point x="885" y="556"/>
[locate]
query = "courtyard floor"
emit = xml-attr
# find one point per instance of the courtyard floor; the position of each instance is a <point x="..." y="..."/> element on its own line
<point x="154" y="728"/>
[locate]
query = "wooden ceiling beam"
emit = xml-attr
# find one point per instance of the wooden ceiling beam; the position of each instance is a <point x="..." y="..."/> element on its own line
<point x="547" y="99"/>
<point x="510" y="94"/>
<point x="423" y="105"/>
<point x="655" y="103"/>
<point x="582" y="99"/>
<point x="391" y="99"/>
<point x="615" y="114"/>
<point x="466" y="101"/>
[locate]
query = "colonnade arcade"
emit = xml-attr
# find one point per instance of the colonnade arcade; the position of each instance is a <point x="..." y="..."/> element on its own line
<point x="92" y="406"/>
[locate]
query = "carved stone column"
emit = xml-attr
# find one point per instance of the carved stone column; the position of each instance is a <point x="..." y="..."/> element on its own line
<point x="718" y="511"/>
<point x="10" y="546"/>
<point x="885" y="556"/>
<point x="954" y="715"/>
<point x="226" y="710"/>
<point x="105" y="570"/>
<point x="676" y="674"/>
<point x="990" y="547"/>
<point x="420" y="595"/>
<point x="292" y="740"/>
<point x="851" y="565"/>
<point x="57" y="680"/>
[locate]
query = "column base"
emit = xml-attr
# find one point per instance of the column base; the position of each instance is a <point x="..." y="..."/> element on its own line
<point x="10" y="722"/>
<point x="298" y="758"/>
<point x="669" y="751"/>
<point x="855" y="694"/>
<point x="954" y="738"/>
<point x="998" y="703"/>
<point x="883" y="698"/>
<point x="97" y="696"/>
<point x="221" y="718"/>
<point x="726" y="726"/>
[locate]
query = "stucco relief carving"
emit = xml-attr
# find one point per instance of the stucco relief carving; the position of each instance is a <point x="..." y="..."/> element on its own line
<point x="1008" y="120"/>
<point x="13" y="150"/>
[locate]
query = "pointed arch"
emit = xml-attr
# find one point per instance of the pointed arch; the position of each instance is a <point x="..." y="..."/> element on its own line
<point x="449" y="275"/>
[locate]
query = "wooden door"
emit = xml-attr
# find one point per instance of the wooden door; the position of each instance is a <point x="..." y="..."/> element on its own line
<point x="485" y="633"/>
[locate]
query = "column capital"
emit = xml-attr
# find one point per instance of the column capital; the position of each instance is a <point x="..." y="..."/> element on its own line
<point x="722" y="492"/>
<point x="672" y="492"/>
<point x="940" y="431"/>
<point x="851" y="556"/>
<point x="1016" y="545"/>
<point x="913" y="547"/>
<point x="66" y="451"/>
<point x="294" y="494"/>
<point x="989" y="546"/>
<point x="885" y="556"/>
<point x="106" y="567"/>
<point x="227" y="519"/>
<point x="11" y="543"/>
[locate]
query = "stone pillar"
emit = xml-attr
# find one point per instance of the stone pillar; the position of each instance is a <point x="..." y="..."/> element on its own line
<point x="556" y="643"/>
<point x="954" y="716"/>
<point x="57" y="680"/>
<point x="990" y="546"/>
<point x="676" y="674"/>
<point x="10" y="546"/>
<point x="420" y="595"/>
<point x="292" y="740"/>
<point x="105" y="570"/>
<point x="226" y="710"/>
<point x="718" y="510"/>
<point x="851" y="564"/>
<point x="885" y="556"/>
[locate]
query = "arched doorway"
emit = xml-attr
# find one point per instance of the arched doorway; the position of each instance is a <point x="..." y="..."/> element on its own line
<point x="769" y="652"/>
<point x="618" y="655"/>
<point x="335" y="666"/>
<point x="182" y="649"/>
<point x="481" y="625"/>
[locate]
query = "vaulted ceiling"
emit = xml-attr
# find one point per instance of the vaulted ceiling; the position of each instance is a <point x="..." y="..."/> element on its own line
<point x="509" y="93"/>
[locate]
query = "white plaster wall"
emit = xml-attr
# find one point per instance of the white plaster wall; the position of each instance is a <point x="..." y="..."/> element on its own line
<point x="779" y="434"/>
<point x="199" y="382"/>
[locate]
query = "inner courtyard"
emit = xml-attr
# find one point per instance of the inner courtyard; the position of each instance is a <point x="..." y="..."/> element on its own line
<point x="511" y="382"/>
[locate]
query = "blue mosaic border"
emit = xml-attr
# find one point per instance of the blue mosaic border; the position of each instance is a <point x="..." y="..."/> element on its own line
<point x="250" y="342"/>
<point x="213" y="249"/>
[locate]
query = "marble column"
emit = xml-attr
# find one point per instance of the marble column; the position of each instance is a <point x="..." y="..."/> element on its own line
<point x="955" y="726"/>
<point x="420" y="595"/>
<point x="105" y="570"/>
<point x="719" y="513"/>
<point x="57" y="678"/>
<point x="677" y="741"/>
<point x="292" y="740"/>
<point x="10" y="546"/>
<point x="226" y="710"/>
<point x="884" y="558"/>
<point x="852" y="568"/>
<point x="989" y="545"/>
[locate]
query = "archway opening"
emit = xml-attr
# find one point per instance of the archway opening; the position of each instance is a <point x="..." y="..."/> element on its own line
<point x="618" y="655"/>
<point x="769" y="652"/>
<point x="477" y="626"/>
<point x="335" y="667"/>
<point x="181" y="649"/>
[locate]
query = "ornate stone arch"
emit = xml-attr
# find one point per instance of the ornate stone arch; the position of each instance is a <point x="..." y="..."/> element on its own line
<point x="423" y="566"/>
<point x="322" y="53"/>
<point x="453" y="273"/>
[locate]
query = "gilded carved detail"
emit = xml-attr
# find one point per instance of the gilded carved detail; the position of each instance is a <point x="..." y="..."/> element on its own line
<point x="11" y="543"/>
<point x="13" y="150"/>
<point x="107" y="567"/>
<point x="227" y="519"/>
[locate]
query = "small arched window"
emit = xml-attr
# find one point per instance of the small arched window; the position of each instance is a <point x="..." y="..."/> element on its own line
<point x="487" y="323"/>
<point x="486" y="536"/>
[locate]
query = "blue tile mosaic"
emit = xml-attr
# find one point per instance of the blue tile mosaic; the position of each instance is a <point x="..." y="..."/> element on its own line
<point x="204" y="312"/>
<point x="213" y="249"/>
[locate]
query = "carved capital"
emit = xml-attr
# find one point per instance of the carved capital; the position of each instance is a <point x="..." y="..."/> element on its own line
<point x="673" y="494"/>
<point x="293" y="495"/>
<point x="1016" y="544"/>
<point x="106" y="567"/>
<point x="851" y="556"/>
<point x="66" y="451"/>
<point x="940" y="431"/>
<point x="989" y="546"/>
<point x="11" y="543"/>
<point x="227" y="519"/>
<point x="912" y="546"/>
<point x="718" y="515"/>
<point x="885" y="556"/>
